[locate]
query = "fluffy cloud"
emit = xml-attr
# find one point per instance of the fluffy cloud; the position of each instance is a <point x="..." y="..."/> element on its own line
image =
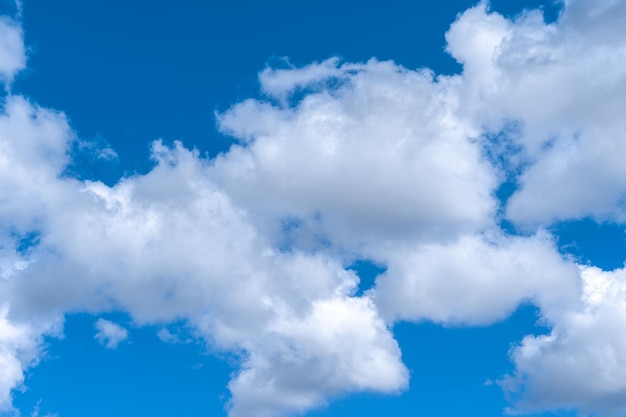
<point x="33" y="153"/>
<point x="32" y="143"/>
<point x="171" y="245"/>
<point x="13" y="340"/>
<point x="341" y="161"/>
<point x="475" y="280"/>
<point x="374" y="152"/>
<point x="582" y="362"/>
<point x="110" y="334"/>
<point x="563" y="85"/>
<point x="340" y="346"/>
<point x="20" y="348"/>
<point x="319" y="162"/>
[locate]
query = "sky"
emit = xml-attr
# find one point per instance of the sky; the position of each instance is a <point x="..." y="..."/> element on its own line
<point x="321" y="209"/>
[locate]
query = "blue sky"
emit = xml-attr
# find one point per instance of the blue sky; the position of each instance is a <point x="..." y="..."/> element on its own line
<point x="266" y="209"/>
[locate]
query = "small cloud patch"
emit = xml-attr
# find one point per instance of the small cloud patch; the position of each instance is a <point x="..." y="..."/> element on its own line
<point x="110" y="334"/>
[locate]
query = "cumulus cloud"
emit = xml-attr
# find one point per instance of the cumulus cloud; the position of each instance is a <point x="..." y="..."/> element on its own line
<point x="563" y="84"/>
<point x="475" y="280"/>
<point x="581" y="364"/>
<point x="109" y="334"/>
<point x="340" y="346"/>
<point x="381" y="154"/>
<point x="31" y="156"/>
<point x="337" y="162"/>
<point x="171" y="245"/>
<point x="560" y="84"/>
<point x="21" y="345"/>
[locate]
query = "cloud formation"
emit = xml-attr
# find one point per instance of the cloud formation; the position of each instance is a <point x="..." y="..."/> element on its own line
<point x="339" y="162"/>
<point x="475" y="280"/>
<point x="12" y="50"/>
<point x="170" y="245"/>
<point x="563" y="85"/>
<point x="382" y="156"/>
<point x="581" y="363"/>
<point x="109" y="334"/>
<point x="20" y="348"/>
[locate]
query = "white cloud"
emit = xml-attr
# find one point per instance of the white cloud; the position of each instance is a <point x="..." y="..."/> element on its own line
<point x="582" y="363"/>
<point x="382" y="155"/>
<point x="166" y="336"/>
<point x="375" y="161"/>
<point x="475" y="280"/>
<point x="20" y="348"/>
<point x="110" y="334"/>
<point x="171" y="245"/>
<point x="340" y="346"/>
<point x="37" y="411"/>
<point x="282" y="83"/>
<point x="13" y="339"/>
<point x="33" y="146"/>
<point x="31" y="155"/>
<point x="12" y="50"/>
<point x="563" y="83"/>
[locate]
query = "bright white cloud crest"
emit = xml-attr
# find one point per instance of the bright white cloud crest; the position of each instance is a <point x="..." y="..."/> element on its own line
<point x="363" y="162"/>
<point x="581" y="363"/>
<point x="374" y="161"/>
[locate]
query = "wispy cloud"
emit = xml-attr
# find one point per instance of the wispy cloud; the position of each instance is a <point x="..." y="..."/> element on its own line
<point x="12" y="50"/>
<point x="110" y="334"/>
